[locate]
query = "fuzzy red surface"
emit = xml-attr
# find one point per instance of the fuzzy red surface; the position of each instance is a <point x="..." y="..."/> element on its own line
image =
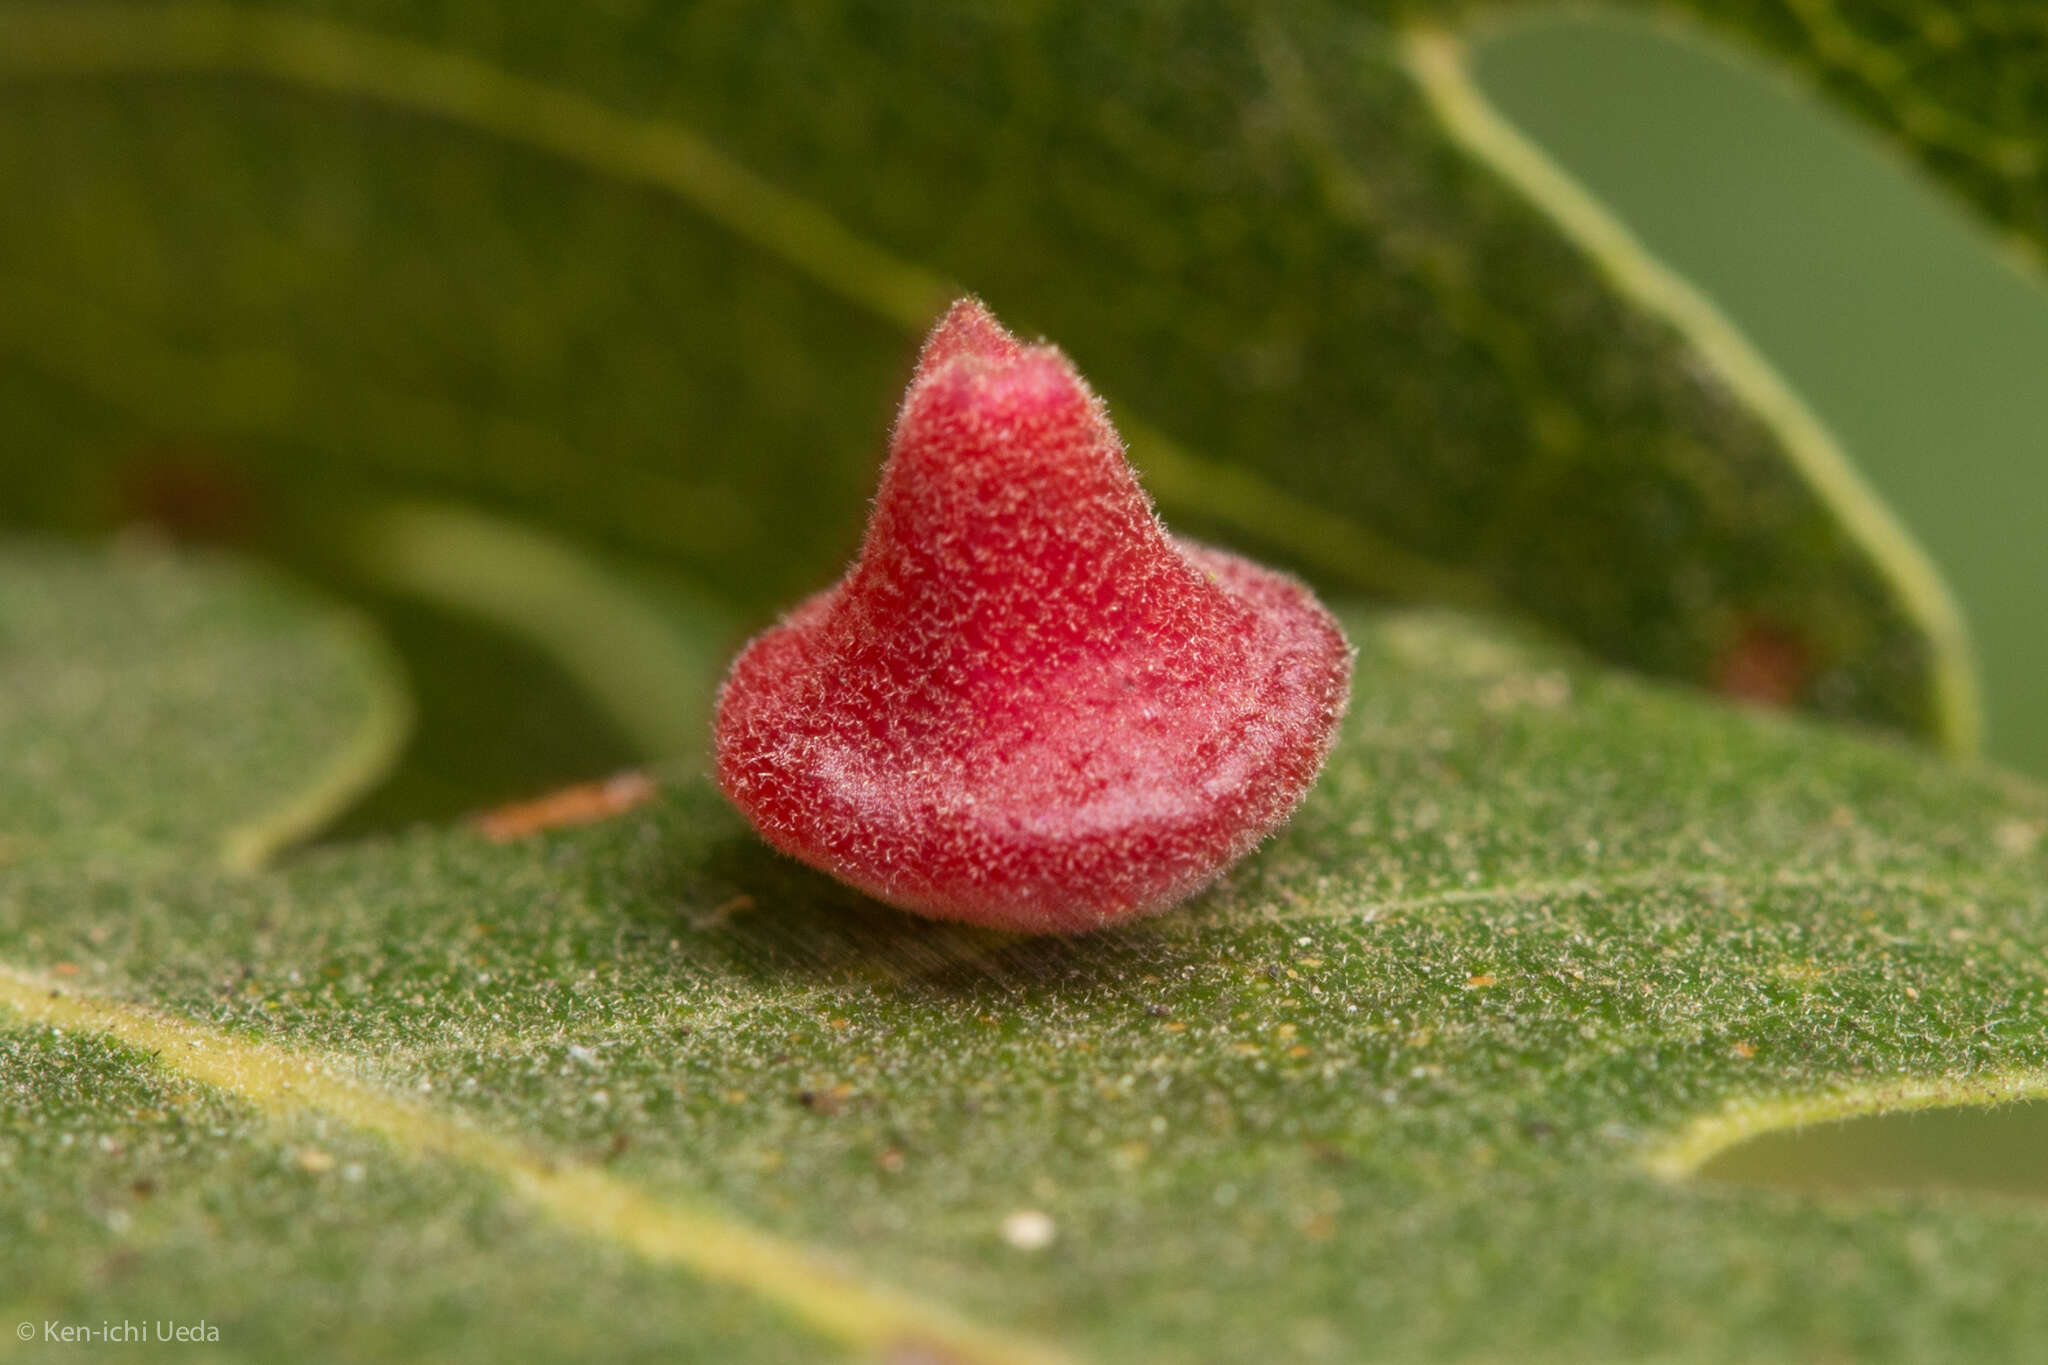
<point x="1027" y="705"/>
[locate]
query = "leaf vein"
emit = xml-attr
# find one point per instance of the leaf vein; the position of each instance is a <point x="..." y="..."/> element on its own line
<point x="858" y="1312"/>
<point x="1436" y="60"/>
<point x="43" y="41"/>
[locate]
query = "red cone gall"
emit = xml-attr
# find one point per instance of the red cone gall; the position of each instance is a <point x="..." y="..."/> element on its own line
<point x="1027" y="705"/>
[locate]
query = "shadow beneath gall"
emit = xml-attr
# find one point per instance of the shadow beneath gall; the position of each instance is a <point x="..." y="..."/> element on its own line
<point x="768" y="917"/>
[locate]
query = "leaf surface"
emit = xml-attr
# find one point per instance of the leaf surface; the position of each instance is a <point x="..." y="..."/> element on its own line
<point x="584" y="328"/>
<point x="651" y="276"/>
<point x="161" y="705"/>
<point x="1405" y="1082"/>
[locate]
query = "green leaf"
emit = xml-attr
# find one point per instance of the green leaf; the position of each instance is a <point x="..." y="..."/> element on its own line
<point x="1423" y="1078"/>
<point x="581" y="329"/>
<point x="254" y="719"/>
<point x="137" y="1198"/>
<point x="1959" y="88"/>
<point x="649" y="276"/>
<point x="1912" y="332"/>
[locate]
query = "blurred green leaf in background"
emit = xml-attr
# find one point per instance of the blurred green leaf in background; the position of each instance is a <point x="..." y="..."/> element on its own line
<point x="1884" y="301"/>
<point x="406" y="405"/>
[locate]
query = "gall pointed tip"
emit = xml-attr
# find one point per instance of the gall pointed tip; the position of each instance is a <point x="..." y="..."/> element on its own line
<point x="972" y="363"/>
<point x="968" y="329"/>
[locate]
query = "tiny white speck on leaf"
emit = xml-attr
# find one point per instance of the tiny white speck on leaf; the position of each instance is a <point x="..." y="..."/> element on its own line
<point x="2018" y="838"/>
<point x="1029" y="1230"/>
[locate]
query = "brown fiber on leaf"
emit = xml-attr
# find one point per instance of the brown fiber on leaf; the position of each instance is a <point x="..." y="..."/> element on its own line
<point x="583" y="804"/>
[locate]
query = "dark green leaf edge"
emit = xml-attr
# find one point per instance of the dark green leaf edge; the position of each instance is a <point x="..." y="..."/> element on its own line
<point x="1437" y="60"/>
